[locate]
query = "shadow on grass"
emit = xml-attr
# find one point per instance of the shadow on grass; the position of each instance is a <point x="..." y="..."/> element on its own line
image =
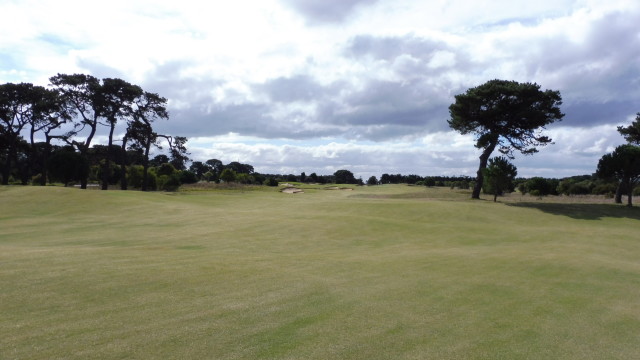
<point x="584" y="211"/>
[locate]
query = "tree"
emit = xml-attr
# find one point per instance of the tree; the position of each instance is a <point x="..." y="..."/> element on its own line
<point x="50" y="113"/>
<point x="240" y="168"/>
<point x="372" y="181"/>
<point x="344" y="177"/>
<point x="500" y="174"/>
<point x="623" y="164"/>
<point x="199" y="168"/>
<point x="83" y="95"/>
<point x="16" y="111"/>
<point x="228" y="175"/>
<point x="631" y="133"/>
<point x="148" y="108"/>
<point x="118" y="96"/>
<point x="506" y="115"/>
<point x="67" y="165"/>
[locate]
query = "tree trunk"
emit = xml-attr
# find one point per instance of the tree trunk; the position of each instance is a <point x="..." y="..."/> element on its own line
<point x="619" y="190"/>
<point x="6" y="170"/>
<point x="484" y="158"/>
<point x="123" y="165"/>
<point x="84" y="172"/>
<point x="145" y="165"/>
<point x="45" y="160"/>
<point x="106" y="168"/>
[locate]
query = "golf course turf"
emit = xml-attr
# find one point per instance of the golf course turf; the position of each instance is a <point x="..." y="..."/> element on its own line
<point x="380" y="272"/>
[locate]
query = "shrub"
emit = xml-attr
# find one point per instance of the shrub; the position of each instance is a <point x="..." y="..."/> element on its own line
<point x="271" y="182"/>
<point x="429" y="181"/>
<point x="228" y="175"/>
<point x="165" y="169"/>
<point x="188" y="177"/>
<point x="169" y="182"/>
<point x="604" y="189"/>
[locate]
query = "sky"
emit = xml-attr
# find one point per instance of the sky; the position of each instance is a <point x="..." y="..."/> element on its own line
<point x="293" y="86"/>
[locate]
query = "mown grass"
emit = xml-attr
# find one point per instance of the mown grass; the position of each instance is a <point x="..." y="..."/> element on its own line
<point x="388" y="272"/>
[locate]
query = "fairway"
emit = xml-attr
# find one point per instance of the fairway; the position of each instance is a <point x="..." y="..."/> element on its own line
<point x="383" y="272"/>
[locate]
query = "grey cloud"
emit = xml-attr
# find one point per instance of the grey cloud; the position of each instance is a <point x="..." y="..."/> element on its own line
<point x="388" y="48"/>
<point x="292" y="89"/>
<point x="326" y="11"/>
<point x="394" y="108"/>
<point x="590" y="113"/>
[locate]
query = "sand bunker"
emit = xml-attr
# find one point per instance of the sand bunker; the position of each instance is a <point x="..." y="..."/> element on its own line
<point x="338" y="188"/>
<point x="292" y="190"/>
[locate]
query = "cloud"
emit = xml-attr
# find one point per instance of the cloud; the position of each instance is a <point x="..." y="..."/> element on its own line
<point x="324" y="159"/>
<point x="378" y="72"/>
<point x="326" y="11"/>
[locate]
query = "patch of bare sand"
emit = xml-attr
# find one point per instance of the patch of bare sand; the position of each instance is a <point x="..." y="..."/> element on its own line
<point x="292" y="190"/>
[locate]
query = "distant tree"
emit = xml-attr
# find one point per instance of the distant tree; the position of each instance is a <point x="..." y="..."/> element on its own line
<point x="623" y="164"/>
<point x="178" y="151"/>
<point x="239" y="168"/>
<point x="372" y="181"/>
<point x="313" y="177"/>
<point x="147" y="108"/>
<point x="16" y="111"/>
<point x="228" y="175"/>
<point x="83" y="95"/>
<point x="118" y="98"/>
<point x="166" y="169"/>
<point x="344" y="177"/>
<point x="271" y="182"/>
<point x="199" y="168"/>
<point x="215" y="165"/>
<point x="631" y="133"/>
<point x="507" y="115"/>
<point x="429" y="181"/>
<point x="159" y="160"/>
<point x="500" y="174"/>
<point x="303" y="177"/>
<point x="66" y="165"/>
<point x="188" y="177"/>
<point x="50" y="113"/>
<point x="539" y="186"/>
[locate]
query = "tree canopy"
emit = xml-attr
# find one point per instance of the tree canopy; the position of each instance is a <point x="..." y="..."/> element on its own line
<point x="631" y="133"/>
<point x="507" y="115"/>
<point x="623" y="164"/>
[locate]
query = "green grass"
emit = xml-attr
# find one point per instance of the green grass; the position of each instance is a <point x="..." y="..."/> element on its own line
<point x="387" y="272"/>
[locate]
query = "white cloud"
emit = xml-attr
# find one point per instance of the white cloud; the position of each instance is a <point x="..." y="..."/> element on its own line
<point x="281" y="76"/>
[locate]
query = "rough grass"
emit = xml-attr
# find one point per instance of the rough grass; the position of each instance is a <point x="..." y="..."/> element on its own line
<point x="387" y="272"/>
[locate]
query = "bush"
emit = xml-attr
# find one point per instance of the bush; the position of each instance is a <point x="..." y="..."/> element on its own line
<point x="429" y="182"/>
<point x="541" y="186"/>
<point x="228" y="175"/>
<point x="604" y="189"/>
<point x="169" y="182"/>
<point x="134" y="176"/>
<point x="36" y="180"/>
<point x="271" y="182"/>
<point x="165" y="169"/>
<point x="188" y="177"/>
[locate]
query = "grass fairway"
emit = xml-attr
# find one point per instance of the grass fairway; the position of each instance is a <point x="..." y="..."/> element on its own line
<point x="387" y="272"/>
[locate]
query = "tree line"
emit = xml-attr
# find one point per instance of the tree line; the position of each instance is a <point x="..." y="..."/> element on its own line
<point x="71" y="111"/>
<point x="507" y="116"/>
